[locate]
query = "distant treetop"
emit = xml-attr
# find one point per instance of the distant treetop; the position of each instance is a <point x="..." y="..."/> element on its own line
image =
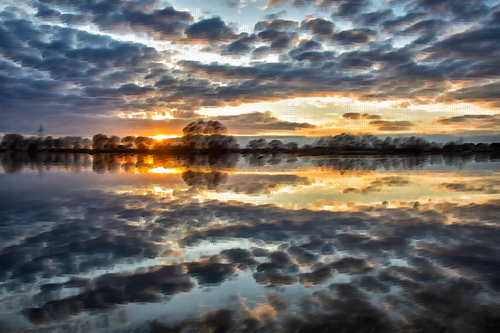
<point x="204" y="127"/>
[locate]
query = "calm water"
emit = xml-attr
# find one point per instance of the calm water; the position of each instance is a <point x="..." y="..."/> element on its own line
<point x="276" y="243"/>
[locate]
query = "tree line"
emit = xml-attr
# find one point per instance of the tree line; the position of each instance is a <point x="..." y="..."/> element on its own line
<point x="211" y="136"/>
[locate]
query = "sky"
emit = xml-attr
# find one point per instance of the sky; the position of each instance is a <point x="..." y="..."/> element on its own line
<point x="264" y="67"/>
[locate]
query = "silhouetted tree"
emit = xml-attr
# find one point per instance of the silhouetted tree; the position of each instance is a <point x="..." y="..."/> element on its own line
<point x="66" y="143"/>
<point x="207" y="135"/>
<point x="98" y="141"/>
<point x="203" y="127"/>
<point x="275" y="144"/>
<point x="48" y="142"/>
<point x="128" y="138"/>
<point x="77" y="142"/>
<point x="257" y="144"/>
<point x="58" y="143"/>
<point x="13" y="141"/>
<point x="144" y="142"/>
<point x="86" y="143"/>
<point x="112" y="142"/>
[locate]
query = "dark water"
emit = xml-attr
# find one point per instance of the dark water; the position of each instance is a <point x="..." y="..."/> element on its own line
<point x="270" y="243"/>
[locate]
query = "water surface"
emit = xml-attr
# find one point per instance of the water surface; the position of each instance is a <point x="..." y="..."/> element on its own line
<point x="109" y="242"/>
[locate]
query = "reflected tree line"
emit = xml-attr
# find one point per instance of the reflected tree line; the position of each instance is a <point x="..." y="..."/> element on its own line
<point x="144" y="163"/>
<point x="105" y="162"/>
<point x="415" y="162"/>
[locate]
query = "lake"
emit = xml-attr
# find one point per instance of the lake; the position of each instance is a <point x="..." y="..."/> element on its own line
<point x="110" y="242"/>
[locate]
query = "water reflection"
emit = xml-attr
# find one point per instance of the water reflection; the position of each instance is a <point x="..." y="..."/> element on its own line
<point x="142" y="163"/>
<point x="276" y="243"/>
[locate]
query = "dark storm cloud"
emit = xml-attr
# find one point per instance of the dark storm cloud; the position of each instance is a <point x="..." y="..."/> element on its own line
<point x="46" y="12"/>
<point x="486" y="95"/>
<point x="276" y="24"/>
<point x="302" y="256"/>
<point x="274" y="278"/>
<point x="466" y="12"/>
<point x="273" y="35"/>
<point x="69" y="57"/>
<point x="480" y="44"/>
<point x="124" y="90"/>
<point x="353" y="63"/>
<point x="314" y="56"/>
<point x="112" y="289"/>
<point x="403" y="20"/>
<point x="354" y="36"/>
<point x="75" y="19"/>
<point x="282" y="43"/>
<point x="318" y="26"/>
<point x="211" y="272"/>
<point x="240" y="46"/>
<point x="494" y="18"/>
<point x="375" y="18"/>
<point x="345" y="7"/>
<point x="305" y="46"/>
<point x="241" y="257"/>
<point x="73" y="246"/>
<point x="289" y="79"/>
<point x="135" y="16"/>
<point x="427" y="30"/>
<point x="207" y="31"/>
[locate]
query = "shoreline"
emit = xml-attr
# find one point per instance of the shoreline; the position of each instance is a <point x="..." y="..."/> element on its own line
<point x="299" y="152"/>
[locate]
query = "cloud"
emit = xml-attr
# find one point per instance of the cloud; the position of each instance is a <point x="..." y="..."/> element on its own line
<point x="418" y="72"/>
<point x="375" y="18"/>
<point x="403" y="20"/>
<point x="354" y="36"/>
<point x="211" y="272"/>
<point x="391" y="181"/>
<point x="314" y="56"/>
<point x="345" y="8"/>
<point x="383" y="125"/>
<point x="261" y="120"/>
<point x="120" y="16"/>
<point x="276" y="24"/>
<point x="208" y="31"/>
<point x="124" y="90"/>
<point x="484" y="95"/>
<point x="356" y="116"/>
<point x="427" y="29"/>
<point x="240" y="46"/>
<point x="318" y="26"/>
<point x="262" y="184"/>
<point x="304" y="47"/>
<point x="275" y="16"/>
<point x="112" y="289"/>
<point x="458" y="187"/>
<point x="471" y="44"/>
<point x="470" y="12"/>
<point x="471" y="122"/>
